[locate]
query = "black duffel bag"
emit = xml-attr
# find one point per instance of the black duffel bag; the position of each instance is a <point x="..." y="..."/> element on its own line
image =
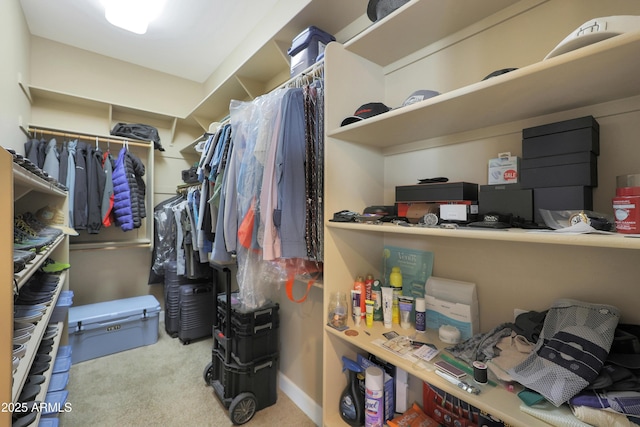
<point x="138" y="131"/>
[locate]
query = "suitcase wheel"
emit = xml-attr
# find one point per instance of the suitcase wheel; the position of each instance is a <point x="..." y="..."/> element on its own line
<point x="242" y="408"/>
<point x="208" y="373"/>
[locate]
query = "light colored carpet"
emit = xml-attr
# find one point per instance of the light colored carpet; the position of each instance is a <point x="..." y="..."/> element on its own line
<point x="159" y="385"/>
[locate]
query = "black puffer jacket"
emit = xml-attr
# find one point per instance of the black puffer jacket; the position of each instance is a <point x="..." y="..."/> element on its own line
<point x="135" y="170"/>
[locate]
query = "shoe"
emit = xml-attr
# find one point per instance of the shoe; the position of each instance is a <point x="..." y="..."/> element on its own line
<point x="50" y="266"/>
<point x="21" y="258"/>
<point x="42" y="229"/>
<point x="26" y="242"/>
<point x="27" y="414"/>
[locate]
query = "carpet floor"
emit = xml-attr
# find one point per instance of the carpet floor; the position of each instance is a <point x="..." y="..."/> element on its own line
<point x="159" y="385"/>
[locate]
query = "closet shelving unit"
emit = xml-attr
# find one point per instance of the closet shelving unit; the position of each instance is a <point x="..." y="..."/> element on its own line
<point x="355" y="74"/>
<point x="27" y="192"/>
<point x="113" y="237"/>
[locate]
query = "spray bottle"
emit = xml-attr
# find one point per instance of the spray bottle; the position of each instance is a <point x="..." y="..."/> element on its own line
<point x="352" y="398"/>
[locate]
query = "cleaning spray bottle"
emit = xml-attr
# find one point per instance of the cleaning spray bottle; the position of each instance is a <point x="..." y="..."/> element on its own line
<point x="352" y="398"/>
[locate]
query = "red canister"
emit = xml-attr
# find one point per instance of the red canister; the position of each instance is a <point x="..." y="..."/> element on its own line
<point x="626" y="204"/>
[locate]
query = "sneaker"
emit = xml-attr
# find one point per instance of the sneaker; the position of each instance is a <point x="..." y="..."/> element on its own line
<point x="50" y="266"/>
<point x="26" y="242"/>
<point x="21" y="258"/>
<point x="42" y="229"/>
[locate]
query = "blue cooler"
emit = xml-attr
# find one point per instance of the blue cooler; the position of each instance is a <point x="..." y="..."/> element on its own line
<point x="307" y="48"/>
<point x="103" y="328"/>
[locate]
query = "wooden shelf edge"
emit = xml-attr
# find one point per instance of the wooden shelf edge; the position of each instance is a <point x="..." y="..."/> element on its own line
<point x="613" y="240"/>
<point x="496" y="401"/>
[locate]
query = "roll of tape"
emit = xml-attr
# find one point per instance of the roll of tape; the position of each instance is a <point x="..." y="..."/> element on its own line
<point x="449" y="334"/>
<point x="480" y="372"/>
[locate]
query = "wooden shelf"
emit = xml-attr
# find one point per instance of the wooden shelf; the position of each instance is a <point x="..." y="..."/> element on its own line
<point x="574" y="79"/>
<point x="612" y="240"/>
<point x="33" y="344"/>
<point x="496" y="401"/>
<point x="429" y="22"/>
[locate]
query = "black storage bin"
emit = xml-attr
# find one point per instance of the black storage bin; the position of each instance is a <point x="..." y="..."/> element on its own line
<point x="245" y="321"/>
<point x="230" y="379"/>
<point x="248" y="347"/>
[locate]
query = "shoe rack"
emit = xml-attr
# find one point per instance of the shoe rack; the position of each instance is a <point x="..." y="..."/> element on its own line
<point x="26" y="191"/>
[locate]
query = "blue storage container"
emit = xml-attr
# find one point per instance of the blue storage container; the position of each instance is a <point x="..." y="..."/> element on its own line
<point x="65" y="300"/>
<point x="307" y="48"/>
<point x="103" y="328"/>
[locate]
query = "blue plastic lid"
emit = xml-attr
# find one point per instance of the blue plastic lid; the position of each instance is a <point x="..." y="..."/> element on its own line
<point x="110" y="310"/>
<point x="64" y="351"/>
<point x="55" y="402"/>
<point x="48" y="422"/>
<point x="351" y="365"/>
<point x="302" y="40"/>
<point x="58" y="382"/>
<point x="62" y="364"/>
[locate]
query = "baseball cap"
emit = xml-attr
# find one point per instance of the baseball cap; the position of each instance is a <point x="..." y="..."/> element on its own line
<point x="365" y="111"/>
<point x="378" y="9"/>
<point x="419" y="95"/>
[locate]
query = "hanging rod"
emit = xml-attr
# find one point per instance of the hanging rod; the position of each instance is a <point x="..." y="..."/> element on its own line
<point x="34" y="131"/>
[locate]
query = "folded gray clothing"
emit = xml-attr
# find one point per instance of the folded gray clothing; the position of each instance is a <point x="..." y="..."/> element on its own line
<point x="573" y="346"/>
<point x="480" y="347"/>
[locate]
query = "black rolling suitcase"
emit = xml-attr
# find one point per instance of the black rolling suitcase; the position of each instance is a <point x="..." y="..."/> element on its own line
<point x="172" y="284"/>
<point x="195" y="312"/>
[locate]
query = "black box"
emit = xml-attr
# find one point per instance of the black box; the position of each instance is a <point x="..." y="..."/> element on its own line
<point x="560" y="171"/>
<point x="246" y="321"/>
<point x="569" y="136"/>
<point x="245" y="348"/>
<point x="435" y="192"/>
<point x="230" y="379"/>
<point x="561" y="198"/>
<point x="506" y="199"/>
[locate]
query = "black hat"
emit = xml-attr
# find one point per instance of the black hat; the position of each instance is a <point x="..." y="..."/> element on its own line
<point x="365" y="111"/>
<point x="378" y="9"/>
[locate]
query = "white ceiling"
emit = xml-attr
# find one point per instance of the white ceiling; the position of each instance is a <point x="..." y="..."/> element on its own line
<point x="190" y="38"/>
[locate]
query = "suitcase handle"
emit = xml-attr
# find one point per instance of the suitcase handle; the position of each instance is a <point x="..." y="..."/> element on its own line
<point x="265" y="326"/>
<point x="264" y="365"/>
<point x="261" y="312"/>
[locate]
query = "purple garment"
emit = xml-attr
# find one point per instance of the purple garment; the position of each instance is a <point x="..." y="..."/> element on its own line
<point x="122" y="194"/>
<point x="623" y="402"/>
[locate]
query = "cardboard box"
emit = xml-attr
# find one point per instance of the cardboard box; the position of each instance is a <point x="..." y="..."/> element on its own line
<point x="503" y="170"/>
<point x="437" y="192"/>
<point x="454" y="303"/>
<point x="416" y="210"/>
<point x="451" y="411"/>
<point x="577" y="174"/>
<point x="389" y="386"/>
<point x="561" y="198"/>
<point x="569" y="136"/>
<point x="506" y="199"/>
<point x="103" y="328"/>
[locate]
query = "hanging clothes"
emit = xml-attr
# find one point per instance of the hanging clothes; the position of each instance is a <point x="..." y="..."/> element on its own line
<point x="107" y="195"/>
<point x="95" y="189"/>
<point x="51" y="163"/>
<point x="80" y="206"/>
<point x="71" y="179"/>
<point x="122" y="211"/>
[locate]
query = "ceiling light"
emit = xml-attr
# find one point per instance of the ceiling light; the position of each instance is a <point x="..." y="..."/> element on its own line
<point x="132" y="15"/>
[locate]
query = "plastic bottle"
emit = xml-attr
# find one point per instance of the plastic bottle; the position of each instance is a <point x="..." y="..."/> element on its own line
<point x="374" y="397"/>
<point x="376" y="296"/>
<point x="352" y="398"/>
<point x="421" y="320"/>
<point x="395" y="280"/>
<point x="359" y="286"/>
<point x="368" y="285"/>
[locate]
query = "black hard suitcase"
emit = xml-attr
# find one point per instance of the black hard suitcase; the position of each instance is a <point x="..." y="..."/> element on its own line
<point x="195" y="312"/>
<point x="172" y="284"/>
